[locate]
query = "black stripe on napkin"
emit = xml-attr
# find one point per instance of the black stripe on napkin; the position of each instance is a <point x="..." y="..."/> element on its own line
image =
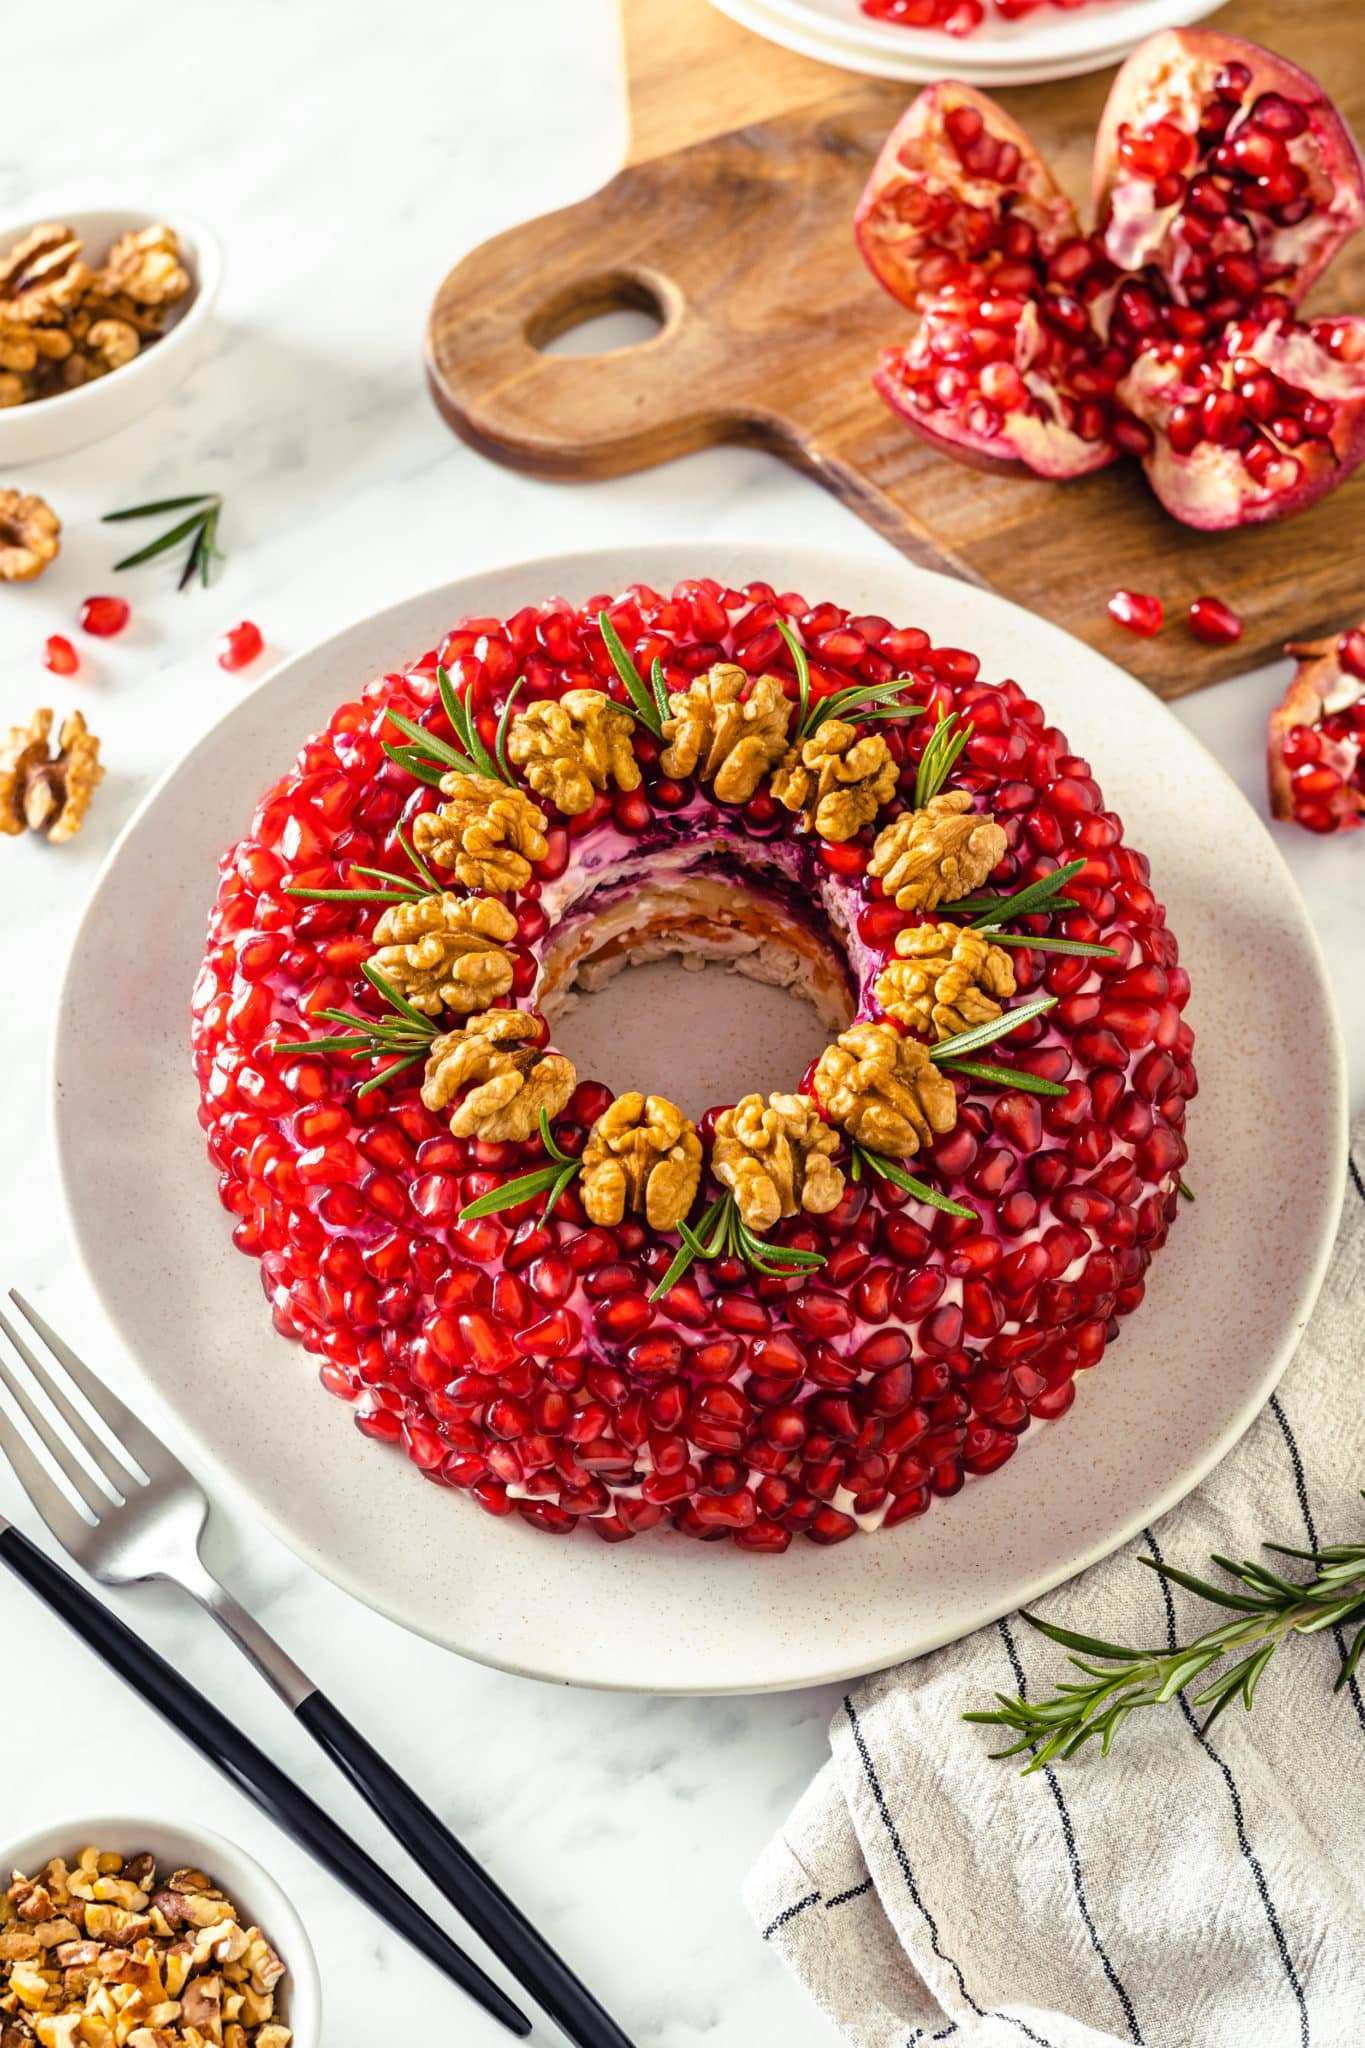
<point x="898" y="1847"/>
<point x="1073" y="1855"/>
<point x="1301" y="1492"/>
<point x="789" y="1913"/>
<point x="1238" y="1817"/>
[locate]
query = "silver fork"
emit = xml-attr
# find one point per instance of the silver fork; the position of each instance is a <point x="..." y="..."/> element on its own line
<point x="148" y="1515"/>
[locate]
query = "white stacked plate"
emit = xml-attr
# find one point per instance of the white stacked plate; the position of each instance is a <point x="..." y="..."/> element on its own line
<point x="1049" y="43"/>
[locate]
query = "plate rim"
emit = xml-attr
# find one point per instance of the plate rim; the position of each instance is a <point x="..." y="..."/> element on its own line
<point x="653" y="558"/>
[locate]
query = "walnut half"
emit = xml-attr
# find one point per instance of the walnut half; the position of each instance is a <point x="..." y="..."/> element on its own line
<point x="777" y="1158"/>
<point x="641" y="1154"/>
<point x="937" y="854"/>
<point x="446" y="952"/>
<point x="944" y="980"/>
<point x="727" y="731"/>
<point x="573" y="746"/>
<point x="45" y="792"/>
<point x="838" y="780"/>
<point x="29" y="536"/>
<point x="884" y="1090"/>
<point x="497" y="1066"/>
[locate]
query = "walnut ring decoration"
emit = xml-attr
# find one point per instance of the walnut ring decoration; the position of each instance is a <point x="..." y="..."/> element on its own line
<point x="573" y="746"/>
<point x="884" y="1090"/>
<point x="776" y="1157"/>
<point x="944" y="980"/>
<point x="937" y="854"/>
<point x="504" y="1078"/>
<point x="837" y="780"/>
<point x="446" y="952"/>
<point x="486" y="833"/>
<point x="641" y="1154"/>
<point x="726" y="731"/>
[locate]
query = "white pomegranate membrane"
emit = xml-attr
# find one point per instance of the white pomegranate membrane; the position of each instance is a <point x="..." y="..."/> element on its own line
<point x="522" y="1361"/>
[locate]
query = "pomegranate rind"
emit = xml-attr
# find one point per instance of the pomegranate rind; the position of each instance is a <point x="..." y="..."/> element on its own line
<point x="1320" y="686"/>
<point x="1046" y="447"/>
<point x="1168" y="78"/>
<point x="904" y="243"/>
<point x="1211" y="488"/>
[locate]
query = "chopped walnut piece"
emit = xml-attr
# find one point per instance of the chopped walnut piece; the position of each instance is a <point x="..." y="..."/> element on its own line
<point x="42" y="277"/>
<point x="446" y="952"/>
<point x="641" y="1154"/>
<point x="14" y="390"/>
<point x="837" y="780"/>
<point x="944" y="980"/>
<point x="109" y="345"/>
<point x="23" y="348"/>
<point x="486" y="833"/>
<point x="777" y="1158"/>
<point x="884" y="1090"/>
<point x="45" y="792"/>
<point x="937" y="854"/>
<point x="29" y="536"/>
<point x="497" y="1065"/>
<point x="571" y="747"/>
<point x="144" y="265"/>
<point x="725" y="737"/>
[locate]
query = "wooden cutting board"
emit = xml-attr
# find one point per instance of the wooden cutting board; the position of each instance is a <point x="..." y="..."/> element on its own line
<point x="732" y="221"/>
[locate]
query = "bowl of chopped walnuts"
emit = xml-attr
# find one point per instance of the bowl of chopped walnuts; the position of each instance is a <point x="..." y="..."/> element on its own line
<point x="101" y="315"/>
<point x="141" y="1931"/>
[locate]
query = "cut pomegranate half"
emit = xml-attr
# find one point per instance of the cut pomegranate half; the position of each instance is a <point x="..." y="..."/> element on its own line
<point x="1226" y="170"/>
<point x="958" y="196"/>
<point x="1316" y="754"/>
<point x="1225" y="181"/>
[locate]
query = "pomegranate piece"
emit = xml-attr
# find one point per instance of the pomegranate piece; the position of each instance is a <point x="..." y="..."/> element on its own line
<point x="959" y="196"/>
<point x="1137" y="611"/>
<point x="999" y="379"/>
<point x="955" y="17"/>
<point x="1316" y="752"/>
<point x="1262" y="423"/>
<point x="60" y="656"/>
<point x="104" y="616"/>
<point x="1226" y="170"/>
<point x="239" y="646"/>
<point x="1225" y="181"/>
<point x="1214" y="621"/>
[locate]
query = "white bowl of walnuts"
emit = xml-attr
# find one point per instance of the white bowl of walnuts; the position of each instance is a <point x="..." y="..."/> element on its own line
<point x="146" y="1925"/>
<point x="102" y="314"/>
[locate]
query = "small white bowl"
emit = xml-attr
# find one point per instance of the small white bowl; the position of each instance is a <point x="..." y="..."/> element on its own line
<point x="46" y="427"/>
<point x="252" y="1891"/>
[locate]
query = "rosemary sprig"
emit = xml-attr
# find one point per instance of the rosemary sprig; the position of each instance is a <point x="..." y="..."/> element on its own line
<point x="202" y="523"/>
<point x="950" y="1050"/>
<point x="549" y="1181"/>
<point x="1006" y="1077"/>
<point x="1036" y="899"/>
<point x="402" y="1038"/>
<point x="801" y="663"/>
<point x="396" y="888"/>
<point x="940" y="757"/>
<point x="723" y="1233"/>
<point x="648" y="701"/>
<point x="427" y="757"/>
<point x="865" y="702"/>
<point x="1081" y="946"/>
<point x="1266" y="1612"/>
<point x="865" y="1160"/>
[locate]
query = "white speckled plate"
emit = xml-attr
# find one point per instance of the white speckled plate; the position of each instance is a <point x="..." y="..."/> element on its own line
<point x="1226" y="1301"/>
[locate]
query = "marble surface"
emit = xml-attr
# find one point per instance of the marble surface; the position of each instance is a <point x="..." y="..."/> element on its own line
<point x="346" y="155"/>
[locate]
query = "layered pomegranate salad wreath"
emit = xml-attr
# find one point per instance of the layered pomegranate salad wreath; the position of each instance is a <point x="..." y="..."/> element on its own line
<point x="805" y="1313"/>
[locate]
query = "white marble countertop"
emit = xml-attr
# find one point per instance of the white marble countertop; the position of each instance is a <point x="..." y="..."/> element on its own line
<point x="347" y="155"/>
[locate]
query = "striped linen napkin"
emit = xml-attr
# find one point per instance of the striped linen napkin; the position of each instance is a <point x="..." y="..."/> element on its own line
<point x="1189" y="1891"/>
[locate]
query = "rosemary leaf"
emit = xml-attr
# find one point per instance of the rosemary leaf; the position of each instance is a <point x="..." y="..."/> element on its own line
<point x="427" y="743"/>
<point x="658" y="683"/>
<point x="1006" y="1077"/>
<point x="897" y="1175"/>
<point x="465" y="727"/>
<point x="646" y="709"/>
<point x="940" y="757"/>
<point x="420" y="769"/>
<point x="504" y="720"/>
<point x="1078" y="946"/>
<point x="539" y="1181"/>
<point x="158" y="505"/>
<point x="1034" y="899"/>
<point x="997" y="1027"/>
<point x="1187" y="1192"/>
<point x="801" y="663"/>
<point x="174" y="534"/>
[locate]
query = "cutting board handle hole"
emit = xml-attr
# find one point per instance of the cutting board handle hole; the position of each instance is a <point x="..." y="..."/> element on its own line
<point x="603" y="315"/>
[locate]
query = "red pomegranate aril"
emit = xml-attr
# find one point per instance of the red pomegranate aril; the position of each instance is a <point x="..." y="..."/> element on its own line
<point x="60" y="656"/>
<point x="1213" y="620"/>
<point x="1138" y="611"/>
<point x="104" y="617"/>
<point x="239" y="646"/>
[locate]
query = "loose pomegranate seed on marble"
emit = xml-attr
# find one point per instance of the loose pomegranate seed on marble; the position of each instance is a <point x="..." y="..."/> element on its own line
<point x="239" y="646"/>
<point x="104" y="616"/>
<point x="60" y="656"/>
<point x="1136" y="610"/>
<point x="1214" y="621"/>
<point x="522" y="1361"/>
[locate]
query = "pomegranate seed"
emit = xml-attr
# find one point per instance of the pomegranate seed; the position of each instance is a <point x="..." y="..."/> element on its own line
<point x="239" y="646"/>
<point x="60" y="656"/>
<point x="104" y="616"/>
<point x="1214" y="621"/>
<point x="1137" y="611"/>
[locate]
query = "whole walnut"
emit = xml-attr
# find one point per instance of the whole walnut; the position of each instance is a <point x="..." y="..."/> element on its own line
<point x="446" y="952"/>
<point x="642" y="1154"/>
<point x="726" y="731"/>
<point x="838" y="780"/>
<point x="45" y="792"/>
<point x="487" y="833"/>
<point x="30" y="536"/>
<point x="777" y="1158"/>
<point x="572" y="746"/>
<point x="42" y="277"/>
<point x="497" y="1065"/>
<point x="884" y="1090"/>
<point x="944" y="980"/>
<point x="938" y="854"/>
